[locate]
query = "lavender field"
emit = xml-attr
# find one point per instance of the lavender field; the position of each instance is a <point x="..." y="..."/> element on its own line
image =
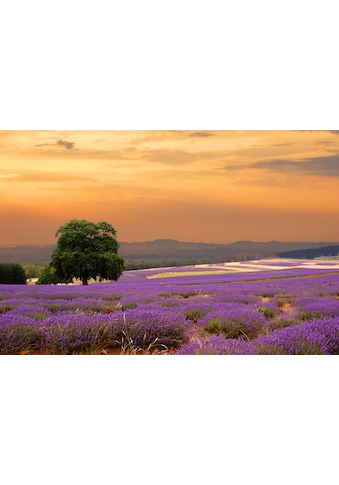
<point x="250" y="308"/>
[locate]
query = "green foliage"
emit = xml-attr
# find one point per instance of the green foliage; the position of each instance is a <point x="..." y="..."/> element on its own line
<point x="228" y="328"/>
<point x="86" y="250"/>
<point x="111" y="297"/>
<point x="12" y="273"/>
<point x="34" y="270"/>
<point x="266" y="294"/>
<point x="194" y="314"/>
<point x="267" y="312"/>
<point x="49" y="277"/>
<point x="6" y="308"/>
<point x="306" y="316"/>
<point x="282" y="323"/>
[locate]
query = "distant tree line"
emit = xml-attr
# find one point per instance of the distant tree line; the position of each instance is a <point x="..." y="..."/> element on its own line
<point x="310" y="253"/>
<point x="131" y="264"/>
<point x="37" y="270"/>
<point x="12" y="273"/>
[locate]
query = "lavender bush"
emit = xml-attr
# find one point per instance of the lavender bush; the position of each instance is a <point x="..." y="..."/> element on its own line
<point x="18" y="335"/>
<point x="216" y="345"/>
<point x="234" y="321"/>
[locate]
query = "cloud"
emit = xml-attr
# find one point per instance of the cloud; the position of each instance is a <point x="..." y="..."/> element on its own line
<point x="280" y="144"/>
<point x="327" y="166"/>
<point x="334" y="132"/>
<point x="276" y="165"/>
<point x="180" y="157"/>
<point x="201" y="134"/>
<point x="45" y="145"/>
<point x="67" y="144"/>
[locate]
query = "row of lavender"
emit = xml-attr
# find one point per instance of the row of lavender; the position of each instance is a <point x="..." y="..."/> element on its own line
<point x="280" y="312"/>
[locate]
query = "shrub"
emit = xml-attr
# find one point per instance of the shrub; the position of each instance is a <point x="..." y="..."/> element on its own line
<point x="311" y="309"/>
<point x="308" y="338"/>
<point x="18" y="334"/>
<point x="216" y="345"/>
<point x="66" y="334"/>
<point x="48" y="277"/>
<point x="269" y="309"/>
<point x="234" y="321"/>
<point x="144" y="327"/>
<point x="12" y="274"/>
<point x="282" y="322"/>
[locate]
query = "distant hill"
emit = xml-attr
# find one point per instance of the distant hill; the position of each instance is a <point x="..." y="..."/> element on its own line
<point x="170" y="249"/>
<point x="311" y="253"/>
<point x="26" y="254"/>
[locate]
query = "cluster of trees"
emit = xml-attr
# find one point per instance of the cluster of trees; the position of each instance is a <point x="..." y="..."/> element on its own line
<point x="84" y="250"/>
<point x="12" y="273"/>
<point x="33" y="270"/>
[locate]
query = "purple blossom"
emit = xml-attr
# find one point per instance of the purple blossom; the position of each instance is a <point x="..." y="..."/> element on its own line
<point x="18" y="334"/>
<point x="310" y="308"/>
<point x="216" y="345"/>
<point x="234" y="321"/>
<point x="317" y="337"/>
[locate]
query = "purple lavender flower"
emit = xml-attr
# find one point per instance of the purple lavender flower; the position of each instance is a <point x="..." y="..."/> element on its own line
<point x="234" y="321"/>
<point x="18" y="334"/>
<point x="146" y="326"/>
<point x="317" y="337"/>
<point x="216" y="345"/>
<point x="310" y="308"/>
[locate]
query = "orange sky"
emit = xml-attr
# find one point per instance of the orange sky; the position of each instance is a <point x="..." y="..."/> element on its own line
<point x="204" y="186"/>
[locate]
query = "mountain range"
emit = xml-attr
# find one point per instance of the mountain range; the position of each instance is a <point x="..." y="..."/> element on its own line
<point x="171" y="249"/>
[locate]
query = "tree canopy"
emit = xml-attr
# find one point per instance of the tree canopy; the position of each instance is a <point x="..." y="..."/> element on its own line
<point x="86" y="250"/>
<point x="12" y="273"/>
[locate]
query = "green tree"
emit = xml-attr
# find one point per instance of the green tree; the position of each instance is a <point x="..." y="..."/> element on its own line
<point x="12" y="273"/>
<point x="86" y="250"/>
<point x="48" y="277"/>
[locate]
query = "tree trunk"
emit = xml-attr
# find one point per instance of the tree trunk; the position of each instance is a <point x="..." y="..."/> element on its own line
<point x="84" y="280"/>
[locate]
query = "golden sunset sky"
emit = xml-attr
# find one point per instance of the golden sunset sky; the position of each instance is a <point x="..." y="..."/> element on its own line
<point x="204" y="186"/>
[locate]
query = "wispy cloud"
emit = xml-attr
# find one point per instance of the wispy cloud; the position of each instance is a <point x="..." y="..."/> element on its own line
<point x="181" y="157"/>
<point x="275" y="165"/>
<point x="67" y="144"/>
<point x="281" y="144"/>
<point x="327" y="166"/>
<point x="201" y="134"/>
<point x="335" y="132"/>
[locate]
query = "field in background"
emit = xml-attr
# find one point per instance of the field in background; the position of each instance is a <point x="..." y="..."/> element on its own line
<point x="254" y="266"/>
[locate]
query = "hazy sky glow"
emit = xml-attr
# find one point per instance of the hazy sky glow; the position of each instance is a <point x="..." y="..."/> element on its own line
<point x="206" y="186"/>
